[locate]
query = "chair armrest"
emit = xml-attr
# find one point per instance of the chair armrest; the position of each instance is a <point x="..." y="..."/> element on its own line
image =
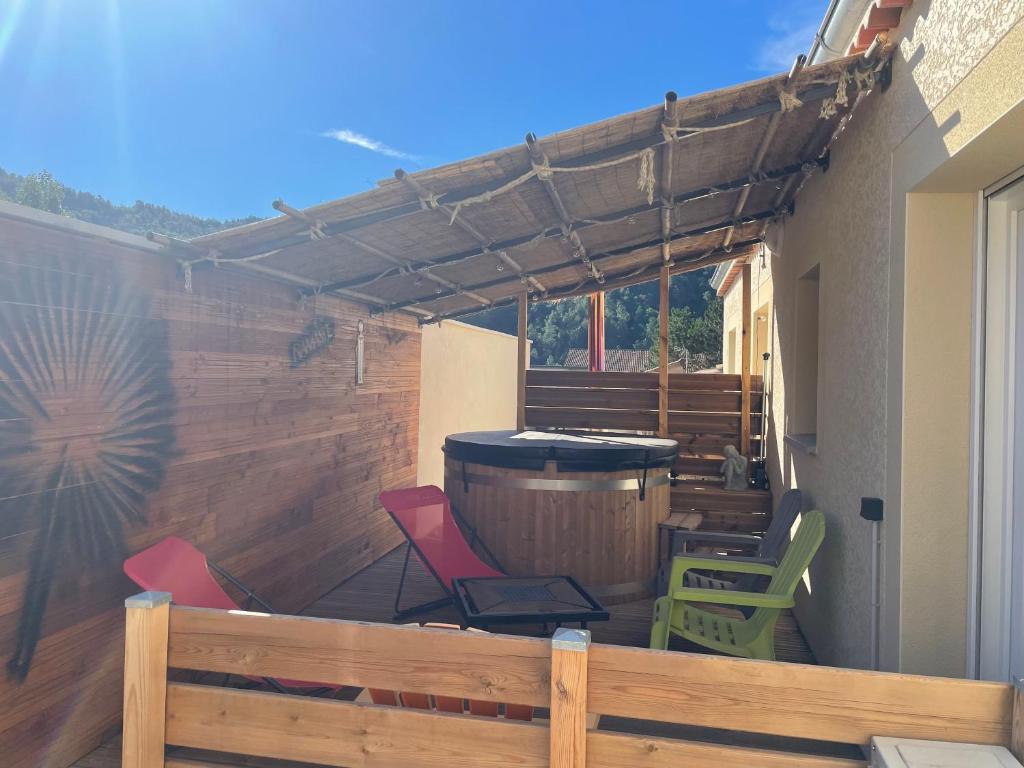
<point x="734" y="559"/>
<point x="683" y="563"/>
<point x="756" y="565"/>
<point x="731" y="597"/>
<point x="715" y="537"/>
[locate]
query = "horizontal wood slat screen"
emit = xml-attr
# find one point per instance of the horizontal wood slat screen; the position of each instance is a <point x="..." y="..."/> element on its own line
<point x="488" y="667"/>
<point x="343" y="734"/>
<point x="538" y="377"/>
<point x="703" y="408"/>
<point x="842" y="705"/>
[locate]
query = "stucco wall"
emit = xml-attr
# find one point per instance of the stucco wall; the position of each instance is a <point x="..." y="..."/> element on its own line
<point x="467" y="382"/>
<point x="936" y="424"/>
<point x="760" y="295"/>
<point x="852" y="221"/>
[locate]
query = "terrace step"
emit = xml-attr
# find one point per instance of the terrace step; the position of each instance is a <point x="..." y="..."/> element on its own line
<point x="705" y="465"/>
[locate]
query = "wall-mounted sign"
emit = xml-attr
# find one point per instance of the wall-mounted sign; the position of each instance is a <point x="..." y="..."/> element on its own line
<point x="317" y="336"/>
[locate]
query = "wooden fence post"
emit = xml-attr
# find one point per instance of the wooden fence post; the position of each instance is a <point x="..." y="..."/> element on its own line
<point x="745" y="364"/>
<point x="1017" y="720"/>
<point x="569" y="651"/>
<point x="663" y="314"/>
<point x="522" y="363"/>
<point x="145" y="679"/>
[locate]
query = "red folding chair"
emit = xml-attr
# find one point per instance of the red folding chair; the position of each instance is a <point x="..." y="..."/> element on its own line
<point x="425" y="516"/>
<point x="176" y="567"/>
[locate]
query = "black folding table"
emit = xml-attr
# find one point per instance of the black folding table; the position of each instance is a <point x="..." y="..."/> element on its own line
<point x="543" y="600"/>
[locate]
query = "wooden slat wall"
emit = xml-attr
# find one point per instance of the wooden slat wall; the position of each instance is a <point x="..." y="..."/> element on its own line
<point x="795" y="700"/>
<point x="275" y="471"/>
<point x="704" y="409"/>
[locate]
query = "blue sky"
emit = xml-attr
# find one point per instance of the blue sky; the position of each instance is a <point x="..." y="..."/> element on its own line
<point x="217" y="107"/>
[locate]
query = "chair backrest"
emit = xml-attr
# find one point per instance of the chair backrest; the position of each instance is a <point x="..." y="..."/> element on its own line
<point x="425" y="516"/>
<point x="799" y="554"/>
<point x="177" y="567"/>
<point x="782" y="523"/>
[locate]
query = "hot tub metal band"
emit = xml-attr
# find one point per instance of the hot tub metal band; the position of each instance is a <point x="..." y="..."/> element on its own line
<point x="547" y="484"/>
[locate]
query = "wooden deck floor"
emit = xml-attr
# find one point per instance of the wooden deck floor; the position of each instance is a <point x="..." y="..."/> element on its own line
<point x="370" y="594"/>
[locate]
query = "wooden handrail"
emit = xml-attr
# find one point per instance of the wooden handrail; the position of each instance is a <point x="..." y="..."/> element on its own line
<point x="568" y="674"/>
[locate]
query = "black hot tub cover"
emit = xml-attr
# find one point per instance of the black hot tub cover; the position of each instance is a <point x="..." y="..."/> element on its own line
<point x="573" y="452"/>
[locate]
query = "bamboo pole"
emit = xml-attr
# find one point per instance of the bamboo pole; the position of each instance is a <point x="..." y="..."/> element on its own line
<point x="452" y="217"/>
<point x="539" y="158"/>
<point x="663" y="313"/>
<point x="762" y="149"/>
<point x="814" y="93"/>
<point x="316" y="228"/>
<point x="669" y="123"/>
<point x="145" y="680"/>
<point x="610" y="255"/>
<point x="522" y="363"/>
<point x="569" y="655"/>
<point x="619" y="279"/>
<point x="556" y="232"/>
<point x="745" y="364"/>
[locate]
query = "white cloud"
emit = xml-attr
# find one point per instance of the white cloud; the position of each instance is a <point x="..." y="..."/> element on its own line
<point x="791" y="34"/>
<point x="359" y="140"/>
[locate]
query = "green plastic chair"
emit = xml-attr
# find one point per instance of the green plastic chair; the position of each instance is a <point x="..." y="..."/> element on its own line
<point x="753" y="638"/>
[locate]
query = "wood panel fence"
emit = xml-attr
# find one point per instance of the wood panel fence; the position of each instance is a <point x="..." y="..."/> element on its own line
<point x="567" y="674"/>
<point x="704" y="415"/>
<point x="703" y="408"/>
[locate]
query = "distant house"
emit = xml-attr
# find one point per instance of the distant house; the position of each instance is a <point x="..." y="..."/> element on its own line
<point x="623" y="360"/>
<point x="726" y="284"/>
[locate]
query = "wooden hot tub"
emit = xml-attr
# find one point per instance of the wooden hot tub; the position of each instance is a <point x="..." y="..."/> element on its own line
<point x="587" y="506"/>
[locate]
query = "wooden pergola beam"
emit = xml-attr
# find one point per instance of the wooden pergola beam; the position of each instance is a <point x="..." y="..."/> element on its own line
<point x="815" y="93"/>
<point x="522" y="360"/>
<point x="305" y="285"/>
<point x="633" y="276"/>
<point x="403" y="265"/>
<point x="429" y="201"/>
<point x="745" y="362"/>
<point x="556" y="231"/>
<point x="762" y="148"/>
<point x="540" y="160"/>
<point x="664" y="279"/>
<point x="669" y="124"/>
<point x="606" y="256"/>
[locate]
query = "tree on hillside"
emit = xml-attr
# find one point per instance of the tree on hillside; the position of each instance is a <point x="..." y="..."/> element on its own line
<point x="696" y="334"/>
<point x="557" y="326"/>
<point x="42" y="191"/>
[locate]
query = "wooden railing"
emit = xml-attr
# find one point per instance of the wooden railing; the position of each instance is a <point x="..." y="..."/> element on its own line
<point x="566" y="674"/>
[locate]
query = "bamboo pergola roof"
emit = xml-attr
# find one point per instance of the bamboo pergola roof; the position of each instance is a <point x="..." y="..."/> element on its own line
<point x="689" y="183"/>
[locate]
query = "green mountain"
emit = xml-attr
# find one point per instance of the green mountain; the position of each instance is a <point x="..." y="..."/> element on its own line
<point x="631" y="313"/>
<point x="41" y="190"/>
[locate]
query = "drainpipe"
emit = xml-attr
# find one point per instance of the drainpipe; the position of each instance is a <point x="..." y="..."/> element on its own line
<point x="842" y="19"/>
<point x="871" y="510"/>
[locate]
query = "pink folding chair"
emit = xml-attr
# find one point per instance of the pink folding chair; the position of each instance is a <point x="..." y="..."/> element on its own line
<point x="175" y="566"/>
<point x="425" y="516"/>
